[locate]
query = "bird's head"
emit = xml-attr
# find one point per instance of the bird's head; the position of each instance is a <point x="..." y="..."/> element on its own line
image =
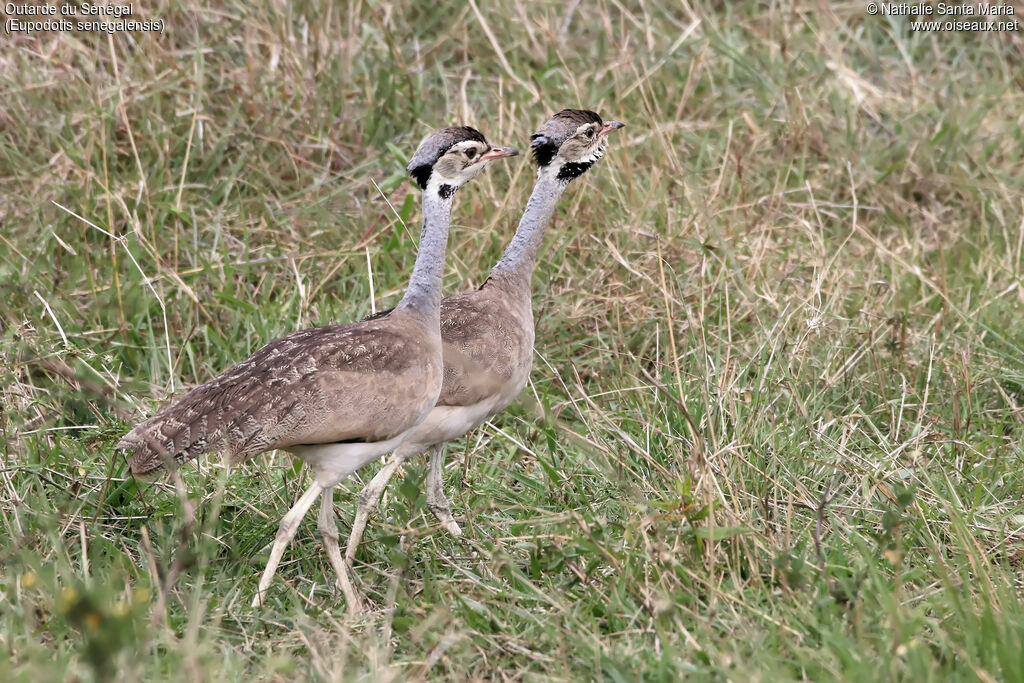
<point x="570" y="142"/>
<point x="449" y="158"/>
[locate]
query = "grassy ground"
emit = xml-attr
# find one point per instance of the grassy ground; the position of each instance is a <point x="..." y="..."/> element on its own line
<point x="774" y="427"/>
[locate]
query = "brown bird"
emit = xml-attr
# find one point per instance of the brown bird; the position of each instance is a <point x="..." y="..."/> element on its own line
<point x="340" y="396"/>
<point x="487" y="334"/>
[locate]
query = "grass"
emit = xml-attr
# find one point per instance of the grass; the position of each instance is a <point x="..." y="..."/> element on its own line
<point x="774" y="428"/>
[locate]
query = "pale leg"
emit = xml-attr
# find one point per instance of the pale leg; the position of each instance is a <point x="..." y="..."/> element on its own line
<point x="369" y="497"/>
<point x="328" y="528"/>
<point x="285" y="533"/>
<point x="436" y="500"/>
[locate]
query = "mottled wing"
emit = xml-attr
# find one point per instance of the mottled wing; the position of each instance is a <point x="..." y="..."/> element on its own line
<point x="321" y="385"/>
<point x="487" y="345"/>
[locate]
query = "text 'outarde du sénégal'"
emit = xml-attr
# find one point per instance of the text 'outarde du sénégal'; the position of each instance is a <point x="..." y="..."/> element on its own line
<point x="68" y="9"/>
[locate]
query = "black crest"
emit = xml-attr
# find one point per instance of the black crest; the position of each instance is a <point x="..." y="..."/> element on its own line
<point x="544" y="150"/>
<point x="421" y="174"/>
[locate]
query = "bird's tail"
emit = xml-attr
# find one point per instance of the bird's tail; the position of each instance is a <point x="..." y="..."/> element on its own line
<point x="180" y="432"/>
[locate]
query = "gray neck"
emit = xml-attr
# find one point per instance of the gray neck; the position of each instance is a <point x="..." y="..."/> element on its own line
<point x="520" y="257"/>
<point x="424" y="292"/>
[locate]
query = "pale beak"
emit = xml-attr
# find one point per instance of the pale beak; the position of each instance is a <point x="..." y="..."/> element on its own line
<point x="499" y="153"/>
<point x="609" y="126"/>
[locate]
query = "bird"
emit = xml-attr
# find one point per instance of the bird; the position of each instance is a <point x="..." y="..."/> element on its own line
<point x="338" y="396"/>
<point x="488" y="334"/>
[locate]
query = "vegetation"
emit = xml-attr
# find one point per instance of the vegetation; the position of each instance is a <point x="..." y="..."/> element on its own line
<point x="774" y="426"/>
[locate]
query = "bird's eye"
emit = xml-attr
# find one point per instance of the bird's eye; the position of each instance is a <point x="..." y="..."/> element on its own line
<point x="588" y="133"/>
<point x="470" y="153"/>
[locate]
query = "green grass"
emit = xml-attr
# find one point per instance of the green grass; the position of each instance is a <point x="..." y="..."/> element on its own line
<point x="774" y="427"/>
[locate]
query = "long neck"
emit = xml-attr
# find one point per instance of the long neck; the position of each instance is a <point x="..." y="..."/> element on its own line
<point x="520" y="257"/>
<point x="424" y="292"/>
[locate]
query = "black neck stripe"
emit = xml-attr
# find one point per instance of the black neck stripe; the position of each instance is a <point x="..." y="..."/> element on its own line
<point x="573" y="170"/>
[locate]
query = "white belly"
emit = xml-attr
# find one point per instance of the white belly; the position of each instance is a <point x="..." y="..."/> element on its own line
<point x="446" y="423"/>
<point x="332" y="462"/>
